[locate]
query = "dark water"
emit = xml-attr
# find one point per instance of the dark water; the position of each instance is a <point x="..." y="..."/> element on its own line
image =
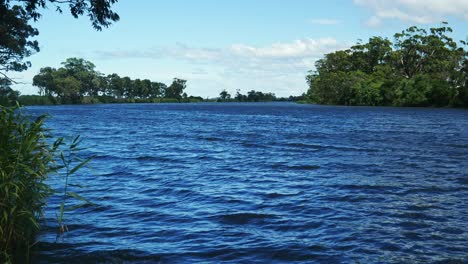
<point x="264" y="183"/>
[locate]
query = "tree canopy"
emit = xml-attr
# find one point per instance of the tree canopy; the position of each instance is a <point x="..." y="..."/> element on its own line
<point x="78" y="78"/>
<point x="419" y="68"/>
<point x="17" y="33"/>
<point x="254" y="96"/>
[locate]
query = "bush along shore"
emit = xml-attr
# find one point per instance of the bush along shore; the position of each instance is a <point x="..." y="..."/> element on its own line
<point x="27" y="158"/>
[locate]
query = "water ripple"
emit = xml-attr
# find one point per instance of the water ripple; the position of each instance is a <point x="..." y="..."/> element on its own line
<point x="263" y="183"/>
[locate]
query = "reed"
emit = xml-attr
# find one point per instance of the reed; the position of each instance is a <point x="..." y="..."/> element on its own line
<point x="26" y="160"/>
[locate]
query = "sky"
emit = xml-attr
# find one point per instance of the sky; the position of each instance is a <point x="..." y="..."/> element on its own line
<point x="263" y="45"/>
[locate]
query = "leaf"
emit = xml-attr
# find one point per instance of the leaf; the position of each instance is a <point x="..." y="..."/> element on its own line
<point x="75" y="142"/>
<point x="79" y="197"/>
<point x="76" y="139"/>
<point x="57" y="143"/>
<point x="56" y="168"/>
<point x="77" y="167"/>
<point x="72" y="208"/>
<point x="62" y="157"/>
<point x="78" y="149"/>
<point x="34" y="222"/>
<point x="76" y="185"/>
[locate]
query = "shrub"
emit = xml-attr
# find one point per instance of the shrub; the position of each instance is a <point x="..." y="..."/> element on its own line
<point x="35" y="100"/>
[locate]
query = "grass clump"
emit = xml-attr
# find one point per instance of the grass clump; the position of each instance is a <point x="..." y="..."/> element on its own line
<point x="26" y="160"/>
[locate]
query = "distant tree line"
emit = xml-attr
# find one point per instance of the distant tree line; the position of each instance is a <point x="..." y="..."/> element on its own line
<point x="17" y="33"/>
<point x="77" y="81"/>
<point x="251" y="96"/>
<point x="257" y="96"/>
<point x="420" y="68"/>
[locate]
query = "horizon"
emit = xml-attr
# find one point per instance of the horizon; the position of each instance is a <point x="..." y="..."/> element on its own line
<point x="266" y="46"/>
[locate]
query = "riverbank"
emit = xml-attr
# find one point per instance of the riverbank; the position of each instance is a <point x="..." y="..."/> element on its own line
<point x="28" y="100"/>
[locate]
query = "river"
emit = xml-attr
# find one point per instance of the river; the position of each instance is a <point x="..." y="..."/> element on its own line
<point x="262" y="183"/>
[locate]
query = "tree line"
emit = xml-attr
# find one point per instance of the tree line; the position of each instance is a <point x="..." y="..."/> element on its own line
<point x="251" y="96"/>
<point x="77" y="81"/>
<point x="419" y="68"/>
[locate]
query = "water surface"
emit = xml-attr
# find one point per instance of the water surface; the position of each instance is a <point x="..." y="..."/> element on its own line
<point x="263" y="183"/>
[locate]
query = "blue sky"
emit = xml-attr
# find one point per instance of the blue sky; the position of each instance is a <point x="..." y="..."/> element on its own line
<point x="265" y="45"/>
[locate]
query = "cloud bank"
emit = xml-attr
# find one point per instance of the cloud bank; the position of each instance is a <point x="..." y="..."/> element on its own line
<point x="414" y="11"/>
<point x="278" y="67"/>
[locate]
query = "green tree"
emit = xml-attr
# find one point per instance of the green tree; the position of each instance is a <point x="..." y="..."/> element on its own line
<point x="15" y="42"/>
<point x="127" y="85"/>
<point x="16" y="31"/>
<point x="44" y="80"/>
<point x="240" y="97"/>
<point x="421" y="68"/>
<point x="176" y="89"/>
<point x="137" y="88"/>
<point x="145" y="88"/>
<point x="8" y="96"/>
<point x="366" y="57"/>
<point x="224" y="96"/>
<point x="116" y="86"/>
<point x="157" y="89"/>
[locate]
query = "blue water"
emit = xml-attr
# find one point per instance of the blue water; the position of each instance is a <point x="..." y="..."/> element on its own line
<point x="263" y="183"/>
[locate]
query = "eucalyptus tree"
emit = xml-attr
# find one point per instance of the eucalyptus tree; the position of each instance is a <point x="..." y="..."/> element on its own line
<point x="224" y="96"/>
<point x="78" y="79"/>
<point x="157" y="89"/>
<point x="420" y="68"/>
<point x="127" y="86"/>
<point x="145" y="88"/>
<point x="115" y="85"/>
<point x="176" y="89"/>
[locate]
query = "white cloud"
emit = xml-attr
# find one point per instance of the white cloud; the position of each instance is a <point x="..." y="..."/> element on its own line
<point x="291" y="50"/>
<point x="179" y="51"/>
<point x="415" y="11"/>
<point x="325" y="21"/>
<point x="296" y="49"/>
<point x="278" y="67"/>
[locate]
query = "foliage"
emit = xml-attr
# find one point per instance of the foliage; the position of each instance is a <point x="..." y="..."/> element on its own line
<point x="26" y="160"/>
<point x="224" y="96"/>
<point x="420" y="68"/>
<point x="34" y="100"/>
<point x="15" y="44"/>
<point x="79" y="82"/>
<point x="16" y="32"/>
<point x="254" y="96"/>
<point x="71" y="163"/>
<point x="176" y="89"/>
<point x="8" y="96"/>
